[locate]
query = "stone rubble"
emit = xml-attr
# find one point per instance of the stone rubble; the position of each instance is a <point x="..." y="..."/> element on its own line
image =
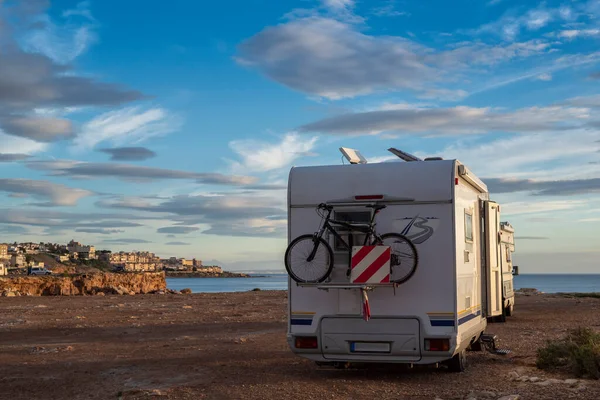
<point x="573" y="383"/>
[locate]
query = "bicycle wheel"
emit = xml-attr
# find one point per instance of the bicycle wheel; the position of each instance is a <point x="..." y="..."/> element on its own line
<point x="303" y="271"/>
<point x="404" y="256"/>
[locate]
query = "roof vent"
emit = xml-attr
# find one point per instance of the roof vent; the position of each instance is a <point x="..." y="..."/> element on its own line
<point x="433" y="159"/>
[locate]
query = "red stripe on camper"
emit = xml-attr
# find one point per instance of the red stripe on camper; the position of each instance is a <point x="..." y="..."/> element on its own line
<point x="375" y="266"/>
<point x="360" y="255"/>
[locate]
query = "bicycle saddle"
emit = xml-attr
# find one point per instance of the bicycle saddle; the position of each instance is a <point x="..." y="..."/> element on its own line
<point x="325" y="206"/>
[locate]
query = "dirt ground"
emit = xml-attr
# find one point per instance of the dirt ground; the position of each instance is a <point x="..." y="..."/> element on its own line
<point x="232" y="346"/>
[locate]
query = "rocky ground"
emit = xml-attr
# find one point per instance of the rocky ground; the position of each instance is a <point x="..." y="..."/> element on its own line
<point x="232" y="346"/>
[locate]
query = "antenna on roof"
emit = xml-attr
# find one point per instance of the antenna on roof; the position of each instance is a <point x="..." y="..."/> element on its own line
<point x="353" y="156"/>
<point x="403" y="155"/>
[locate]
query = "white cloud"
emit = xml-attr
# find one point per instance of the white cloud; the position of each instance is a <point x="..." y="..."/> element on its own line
<point x="573" y="33"/>
<point x="41" y="129"/>
<point x="544" y="77"/>
<point x="510" y="24"/>
<point x="62" y="42"/>
<point x="388" y="10"/>
<point x="82" y="9"/>
<point x="126" y="126"/>
<point x="338" y="4"/>
<point x="458" y="120"/>
<point x="561" y="63"/>
<point x="537" y="19"/>
<point x="228" y="214"/>
<point x="262" y="156"/>
<point x="444" y="94"/>
<point x="129" y="172"/>
<point x="543" y="156"/>
<point x="529" y="207"/>
<point x="57" y="194"/>
<point x="565" y="12"/>
<point x="12" y="144"/>
<point x="332" y="59"/>
<point x="589" y="220"/>
<point x="480" y="54"/>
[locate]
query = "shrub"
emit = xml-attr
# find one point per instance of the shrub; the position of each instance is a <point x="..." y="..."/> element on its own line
<point x="578" y="352"/>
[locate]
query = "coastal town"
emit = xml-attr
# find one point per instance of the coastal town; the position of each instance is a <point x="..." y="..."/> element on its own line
<point x="22" y="258"/>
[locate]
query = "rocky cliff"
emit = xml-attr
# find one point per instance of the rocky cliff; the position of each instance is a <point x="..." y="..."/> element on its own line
<point x="87" y="284"/>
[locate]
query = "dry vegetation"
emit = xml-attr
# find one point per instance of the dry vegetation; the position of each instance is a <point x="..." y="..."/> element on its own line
<point x="577" y="352"/>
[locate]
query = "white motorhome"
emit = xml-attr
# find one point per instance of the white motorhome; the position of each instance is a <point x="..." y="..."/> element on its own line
<point x="507" y="247"/>
<point x="443" y="308"/>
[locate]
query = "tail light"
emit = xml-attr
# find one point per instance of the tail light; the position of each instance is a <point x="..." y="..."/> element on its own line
<point x="368" y="197"/>
<point x="306" y="342"/>
<point x="437" y="344"/>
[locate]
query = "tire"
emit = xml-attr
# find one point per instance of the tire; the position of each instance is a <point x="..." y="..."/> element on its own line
<point x="321" y="265"/>
<point x="410" y="252"/>
<point x="509" y="311"/>
<point x="476" y="345"/>
<point x="458" y="363"/>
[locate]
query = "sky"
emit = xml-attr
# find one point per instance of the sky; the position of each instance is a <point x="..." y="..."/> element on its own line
<point x="173" y="127"/>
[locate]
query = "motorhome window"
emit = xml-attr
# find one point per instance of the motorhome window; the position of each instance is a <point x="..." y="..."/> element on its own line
<point x="508" y="254"/>
<point x="351" y="217"/>
<point x="468" y="226"/>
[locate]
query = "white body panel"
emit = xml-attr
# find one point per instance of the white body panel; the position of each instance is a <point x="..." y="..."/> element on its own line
<point x="492" y="237"/>
<point x="443" y="299"/>
<point x="507" y="247"/>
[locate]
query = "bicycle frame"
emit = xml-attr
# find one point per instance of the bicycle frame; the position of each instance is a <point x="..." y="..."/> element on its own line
<point x="327" y="225"/>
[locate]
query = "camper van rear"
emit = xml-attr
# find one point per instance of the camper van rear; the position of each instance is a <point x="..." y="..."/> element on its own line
<point x="432" y="317"/>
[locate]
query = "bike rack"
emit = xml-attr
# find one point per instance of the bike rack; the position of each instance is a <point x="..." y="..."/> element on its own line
<point x="327" y="286"/>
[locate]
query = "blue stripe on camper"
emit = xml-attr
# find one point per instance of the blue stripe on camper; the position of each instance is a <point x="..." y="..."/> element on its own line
<point x="441" y="322"/>
<point x="302" y="318"/>
<point x="469" y="317"/>
<point x="441" y="318"/>
<point x="301" y="321"/>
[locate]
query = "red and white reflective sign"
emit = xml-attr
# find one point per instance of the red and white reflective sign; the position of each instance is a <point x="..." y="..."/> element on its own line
<point x="370" y="264"/>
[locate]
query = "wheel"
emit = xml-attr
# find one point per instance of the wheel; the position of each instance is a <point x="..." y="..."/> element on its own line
<point x="304" y="271"/>
<point x="502" y="317"/>
<point x="458" y="363"/>
<point x="509" y="311"/>
<point x="404" y="256"/>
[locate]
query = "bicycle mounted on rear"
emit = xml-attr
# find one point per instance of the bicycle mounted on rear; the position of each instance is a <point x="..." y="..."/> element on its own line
<point x="309" y="258"/>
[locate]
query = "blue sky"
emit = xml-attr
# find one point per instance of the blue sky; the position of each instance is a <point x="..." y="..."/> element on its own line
<point x="172" y="127"/>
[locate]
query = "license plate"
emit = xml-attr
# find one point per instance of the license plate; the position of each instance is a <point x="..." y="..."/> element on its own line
<point x="369" y="347"/>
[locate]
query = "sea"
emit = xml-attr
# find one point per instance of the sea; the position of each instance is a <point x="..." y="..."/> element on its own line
<point x="548" y="283"/>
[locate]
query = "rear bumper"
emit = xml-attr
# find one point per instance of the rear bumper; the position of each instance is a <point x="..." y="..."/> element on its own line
<point x="385" y="340"/>
<point x="318" y="355"/>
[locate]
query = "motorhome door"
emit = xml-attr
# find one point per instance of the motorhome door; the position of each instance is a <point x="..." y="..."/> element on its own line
<point x="492" y="258"/>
